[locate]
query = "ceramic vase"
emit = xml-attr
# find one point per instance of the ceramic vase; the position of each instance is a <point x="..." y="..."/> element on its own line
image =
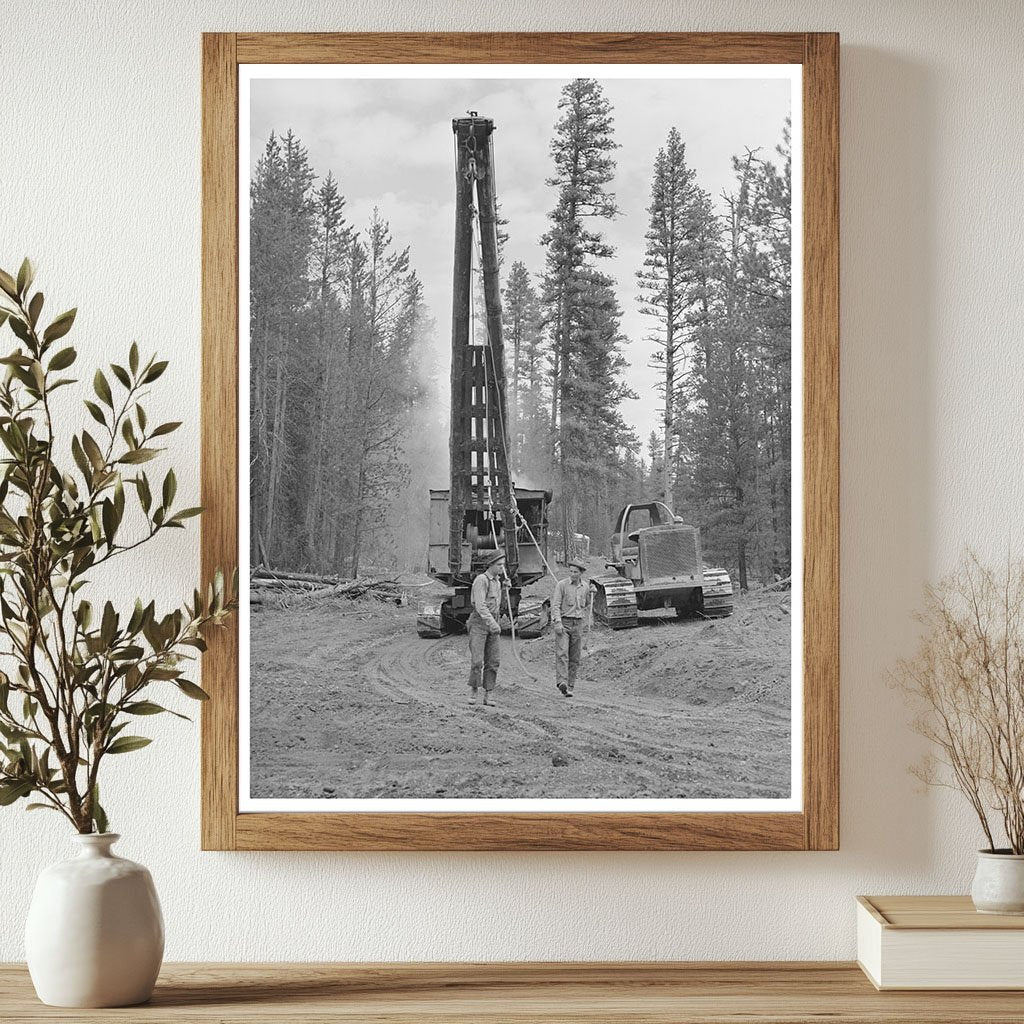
<point x="95" y="933"/>
<point x="999" y="882"/>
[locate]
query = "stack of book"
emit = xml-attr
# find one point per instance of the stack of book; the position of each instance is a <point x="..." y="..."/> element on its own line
<point x="938" y="942"/>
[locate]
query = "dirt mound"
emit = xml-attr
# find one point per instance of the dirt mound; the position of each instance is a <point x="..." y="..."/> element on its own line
<point x="692" y="663"/>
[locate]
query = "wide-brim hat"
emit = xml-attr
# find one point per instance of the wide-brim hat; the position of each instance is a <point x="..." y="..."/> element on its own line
<point x="497" y="556"/>
<point x="578" y="563"/>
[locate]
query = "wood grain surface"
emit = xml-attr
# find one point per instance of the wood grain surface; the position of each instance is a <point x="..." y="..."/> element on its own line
<point x="662" y="993"/>
<point x="219" y="427"/>
<point x="521" y="48"/>
<point x="529" y="832"/>
<point x="943" y="913"/>
<point x="817" y="826"/>
<point x="821" y="441"/>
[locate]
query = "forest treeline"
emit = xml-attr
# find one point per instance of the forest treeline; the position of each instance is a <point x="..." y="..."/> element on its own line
<point x="348" y="426"/>
<point x="715" y="285"/>
<point x="340" y="373"/>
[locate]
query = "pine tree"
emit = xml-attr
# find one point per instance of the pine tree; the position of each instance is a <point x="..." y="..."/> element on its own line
<point x="653" y="469"/>
<point x="668" y="281"/>
<point x="281" y="214"/>
<point x="581" y="150"/>
<point x="581" y="313"/>
<point x="594" y="430"/>
<point x="379" y="370"/>
<point x="331" y="243"/>
<point x="521" y="312"/>
<point x="772" y="212"/>
<point x="727" y="467"/>
<point x="700" y="323"/>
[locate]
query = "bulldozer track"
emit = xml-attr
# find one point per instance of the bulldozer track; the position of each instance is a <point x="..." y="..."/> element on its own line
<point x="614" y="601"/>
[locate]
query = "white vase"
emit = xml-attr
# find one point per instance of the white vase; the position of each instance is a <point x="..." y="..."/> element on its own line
<point x="999" y="883"/>
<point x="95" y="934"/>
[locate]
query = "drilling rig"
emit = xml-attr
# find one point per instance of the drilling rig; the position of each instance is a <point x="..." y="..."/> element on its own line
<point x="482" y="510"/>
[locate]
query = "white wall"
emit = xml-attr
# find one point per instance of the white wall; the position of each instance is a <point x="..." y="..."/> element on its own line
<point x="99" y="182"/>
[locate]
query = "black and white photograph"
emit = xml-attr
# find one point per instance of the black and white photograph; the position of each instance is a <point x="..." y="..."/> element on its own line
<point x="521" y="526"/>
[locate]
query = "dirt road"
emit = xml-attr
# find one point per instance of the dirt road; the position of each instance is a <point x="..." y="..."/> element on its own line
<point x="347" y="701"/>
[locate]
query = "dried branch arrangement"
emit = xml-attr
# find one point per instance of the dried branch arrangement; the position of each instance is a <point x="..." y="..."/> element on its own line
<point x="78" y="673"/>
<point x="967" y="679"/>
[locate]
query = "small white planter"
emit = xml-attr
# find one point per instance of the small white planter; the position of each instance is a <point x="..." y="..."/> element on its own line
<point x="999" y="883"/>
<point x="95" y="933"/>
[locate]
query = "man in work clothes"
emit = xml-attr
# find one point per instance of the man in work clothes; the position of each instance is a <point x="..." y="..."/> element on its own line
<point x="484" y="629"/>
<point x="569" y="607"/>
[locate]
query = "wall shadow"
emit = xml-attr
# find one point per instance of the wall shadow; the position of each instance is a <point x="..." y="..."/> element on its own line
<point x="887" y="300"/>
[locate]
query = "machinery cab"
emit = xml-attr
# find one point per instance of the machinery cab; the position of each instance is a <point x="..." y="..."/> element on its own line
<point x="655" y="562"/>
<point x="482" y="532"/>
<point x="636" y="519"/>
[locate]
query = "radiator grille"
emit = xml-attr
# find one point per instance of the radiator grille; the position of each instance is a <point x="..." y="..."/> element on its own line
<point x="670" y="552"/>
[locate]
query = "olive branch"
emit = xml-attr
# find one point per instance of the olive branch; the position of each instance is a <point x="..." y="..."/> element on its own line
<point x="80" y="674"/>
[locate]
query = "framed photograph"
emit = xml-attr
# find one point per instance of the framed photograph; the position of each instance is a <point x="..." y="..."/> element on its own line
<point x="521" y="421"/>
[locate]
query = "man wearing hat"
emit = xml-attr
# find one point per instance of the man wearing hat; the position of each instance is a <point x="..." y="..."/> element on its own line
<point x="569" y="607"/>
<point x="484" y="629"/>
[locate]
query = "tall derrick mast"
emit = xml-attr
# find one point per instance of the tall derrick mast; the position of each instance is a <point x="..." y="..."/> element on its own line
<point x="482" y="511"/>
<point x="479" y="442"/>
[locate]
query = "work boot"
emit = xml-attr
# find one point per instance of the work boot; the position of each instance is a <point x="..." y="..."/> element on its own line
<point x="563" y="689"/>
<point x="472" y="695"/>
<point x="489" y="700"/>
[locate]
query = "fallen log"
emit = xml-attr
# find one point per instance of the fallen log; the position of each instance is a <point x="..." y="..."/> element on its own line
<point x="778" y="585"/>
<point x="384" y="589"/>
<point x="293" y="585"/>
<point x="299" y="577"/>
<point x="358" y="587"/>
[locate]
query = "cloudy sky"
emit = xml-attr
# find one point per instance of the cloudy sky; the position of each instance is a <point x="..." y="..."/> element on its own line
<point x="389" y="143"/>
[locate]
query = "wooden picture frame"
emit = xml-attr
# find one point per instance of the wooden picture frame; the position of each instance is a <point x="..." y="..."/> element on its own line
<point x="816" y="826"/>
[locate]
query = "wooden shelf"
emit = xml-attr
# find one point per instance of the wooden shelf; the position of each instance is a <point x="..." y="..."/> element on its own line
<point x="664" y="993"/>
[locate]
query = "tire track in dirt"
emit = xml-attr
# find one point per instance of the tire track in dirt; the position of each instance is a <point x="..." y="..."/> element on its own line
<point x="431" y="673"/>
<point x="354" y="703"/>
<point x="414" y="671"/>
<point x="610" y="729"/>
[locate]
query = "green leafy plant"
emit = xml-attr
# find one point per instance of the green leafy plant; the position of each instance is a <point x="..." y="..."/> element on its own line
<point x="78" y="673"/>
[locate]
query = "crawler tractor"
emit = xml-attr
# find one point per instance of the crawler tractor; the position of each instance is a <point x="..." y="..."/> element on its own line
<point x="655" y="562"/>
